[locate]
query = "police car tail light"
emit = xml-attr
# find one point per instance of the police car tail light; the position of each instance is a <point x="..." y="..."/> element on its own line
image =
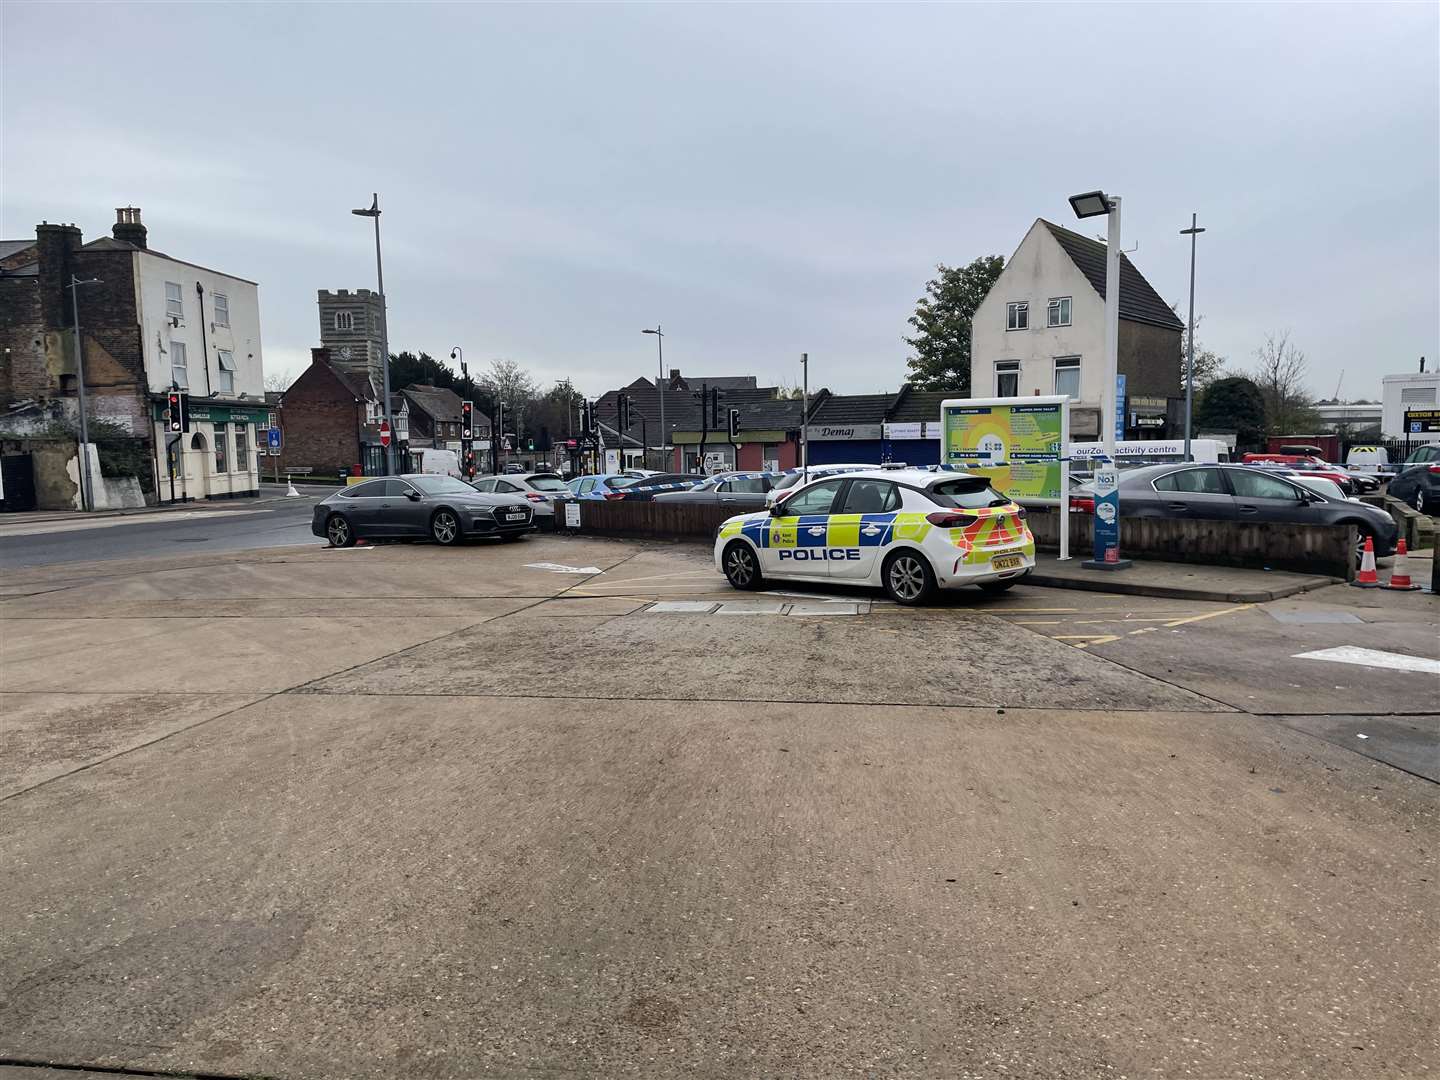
<point x="944" y="519"/>
<point x="614" y="495"/>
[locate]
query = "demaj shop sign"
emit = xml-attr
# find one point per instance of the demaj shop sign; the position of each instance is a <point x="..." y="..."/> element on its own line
<point x="827" y="433"/>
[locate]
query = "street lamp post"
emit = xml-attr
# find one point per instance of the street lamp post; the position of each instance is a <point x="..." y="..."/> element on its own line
<point x="804" y="417"/>
<point x="660" y="387"/>
<point x="373" y="211"/>
<point x="1107" y="495"/>
<point x="1191" y="232"/>
<point x="87" y="490"/>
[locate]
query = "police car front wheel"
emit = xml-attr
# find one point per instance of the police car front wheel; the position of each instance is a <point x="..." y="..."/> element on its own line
<point x="742" y="568"/>
<point x="908" y="578"/>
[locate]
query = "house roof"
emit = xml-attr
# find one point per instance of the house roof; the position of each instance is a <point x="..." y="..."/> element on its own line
<point x="440" y="402"/>
<point x="851" y="408"/>
<point x="1139" y="302"/>
<point x="760" y="409"/>
<point x="109" y="243"/>
<point x="10" y="247"/>
<point x="724" y="382"/>
<point x="912" y="405"/>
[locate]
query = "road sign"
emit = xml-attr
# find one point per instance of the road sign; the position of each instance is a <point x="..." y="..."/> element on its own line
<point x="272" y="438"/>
<point x="384" y="433"/>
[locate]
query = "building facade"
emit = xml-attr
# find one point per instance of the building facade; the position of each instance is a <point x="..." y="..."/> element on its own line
<point x="1041" y="330"/>
<point x="149" y="322"/>
<point x="330" y="422"/>
<point x="1399" y="393"/>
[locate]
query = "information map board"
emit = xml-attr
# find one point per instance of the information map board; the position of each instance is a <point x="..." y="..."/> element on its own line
<point x="1019" y="443"/>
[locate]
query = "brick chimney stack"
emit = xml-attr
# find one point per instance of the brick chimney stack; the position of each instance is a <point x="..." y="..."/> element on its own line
<point x="127" y="226"/>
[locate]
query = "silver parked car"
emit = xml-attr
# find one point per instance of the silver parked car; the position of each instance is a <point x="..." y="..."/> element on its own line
<point x="741" y="490"/>
<point x="442" y="508"/>
<point x="539" y="489"/>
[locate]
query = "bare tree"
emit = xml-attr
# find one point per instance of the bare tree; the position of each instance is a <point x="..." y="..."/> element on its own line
<point x="278" y="381"/>
<point x="1280" y="373"/>
<point x="1209" y="365"/>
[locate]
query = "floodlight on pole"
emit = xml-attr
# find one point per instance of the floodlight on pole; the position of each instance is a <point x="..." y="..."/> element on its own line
<point x="373" y="211"/>
<point x="1107" y="517"/>
<point x="660" y="390"/>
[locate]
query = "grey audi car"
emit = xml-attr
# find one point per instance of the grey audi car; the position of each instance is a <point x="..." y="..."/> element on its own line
<point x="441" y="508"/>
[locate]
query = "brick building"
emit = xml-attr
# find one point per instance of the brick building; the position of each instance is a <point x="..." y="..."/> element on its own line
<point x="149" y="321"/>
<point x="330" y="420"/>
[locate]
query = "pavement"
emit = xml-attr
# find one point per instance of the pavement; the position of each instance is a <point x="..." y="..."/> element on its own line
<point x="550" y="809"/>
<point x="1180" y="581"/>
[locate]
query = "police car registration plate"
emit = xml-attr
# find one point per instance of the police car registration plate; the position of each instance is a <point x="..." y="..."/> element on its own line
<point x="1007" y="562"/>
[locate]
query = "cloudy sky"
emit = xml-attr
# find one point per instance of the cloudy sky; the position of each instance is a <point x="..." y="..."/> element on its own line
<point x="762" y="179"/>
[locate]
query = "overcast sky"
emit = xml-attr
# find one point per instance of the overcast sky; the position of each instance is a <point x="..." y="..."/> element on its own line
<point x="762" y="179"/>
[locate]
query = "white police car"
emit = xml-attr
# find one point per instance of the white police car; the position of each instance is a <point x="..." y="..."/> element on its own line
<point x="908" y="531"/>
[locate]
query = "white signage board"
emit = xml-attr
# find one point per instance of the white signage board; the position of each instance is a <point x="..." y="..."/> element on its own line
<point x="843" y="432"/>
<point x="572" y="515"/>
<point x="612" y="461"/>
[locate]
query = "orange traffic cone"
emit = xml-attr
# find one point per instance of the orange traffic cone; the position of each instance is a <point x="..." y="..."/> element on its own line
<point x="1400" y="578"/>
<point x="1367" y="578"/>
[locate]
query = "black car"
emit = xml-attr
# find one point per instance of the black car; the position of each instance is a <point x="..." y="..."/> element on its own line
<point x="1418" y="481"/>
<point x="442" y="508"/>
<point x="740" y="490"/>
<point x="1241" y="493"/>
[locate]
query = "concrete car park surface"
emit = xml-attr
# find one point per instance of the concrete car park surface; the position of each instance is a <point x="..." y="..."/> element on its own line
<point x="414" y="811"/>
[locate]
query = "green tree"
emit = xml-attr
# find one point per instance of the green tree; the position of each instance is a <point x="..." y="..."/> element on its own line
<point x="1233" y="404"/>
<point x="942" y="324"/>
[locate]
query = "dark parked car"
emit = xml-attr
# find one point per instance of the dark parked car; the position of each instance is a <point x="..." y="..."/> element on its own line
<point x="1240" y="493"/>
<point x="741" y="490"/>
<point x="443" y="508"/>
<point x="1418" y="481"/>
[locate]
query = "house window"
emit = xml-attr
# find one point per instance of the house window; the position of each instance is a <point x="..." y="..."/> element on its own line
<point x="1007" y="378"/>
<point x="1057" y="313"/>
<point x="344" y="320"/>
<point x="1017" y="316"/>
<point x="1067" y="376"/>
<point x="178" y="373"/>
<point x="242" y="455"/>
<point x="226" y="382"/>
<point x="222" y="308"/>
<point x="174" y="300"/>
<point x="220" y="438"/>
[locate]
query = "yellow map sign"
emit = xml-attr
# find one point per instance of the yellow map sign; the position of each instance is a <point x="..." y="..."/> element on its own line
<point x="1016" y="442"/>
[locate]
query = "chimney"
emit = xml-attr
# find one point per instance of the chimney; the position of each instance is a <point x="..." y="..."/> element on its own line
<point x="55" y="248"/>
<point x="1422" y="365"/>
<point x="127" y="226"/>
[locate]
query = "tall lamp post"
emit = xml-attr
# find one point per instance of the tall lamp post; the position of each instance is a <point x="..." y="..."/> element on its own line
<point x="660" y="388"/>
<point x="1192" y="232"/>
<point x="1107" y="495"/>
<point x="87" y="490"/>
<point x="373" y="211"/>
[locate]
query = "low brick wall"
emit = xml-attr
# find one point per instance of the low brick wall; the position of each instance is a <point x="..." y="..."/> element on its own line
<point x="658" y="520"/>
<point x="1309" y="549"/>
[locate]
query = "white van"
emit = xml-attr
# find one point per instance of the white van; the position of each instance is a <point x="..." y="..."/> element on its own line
<point x="436" y="462"/>
<point x="1368" y="459"/>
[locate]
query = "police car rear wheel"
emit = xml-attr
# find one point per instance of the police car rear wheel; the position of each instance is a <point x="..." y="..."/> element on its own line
<point x="908" y="578"/>
<point x="742" y="569"/>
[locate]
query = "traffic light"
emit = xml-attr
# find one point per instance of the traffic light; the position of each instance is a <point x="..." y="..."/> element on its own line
<point x="587" y="416"/>
<point x="529" y="442"/>
<point x="734" y="424"/>
<point x="467" y="420"/>
<point x="177" y="411"/>
<point x="470" y="464"/>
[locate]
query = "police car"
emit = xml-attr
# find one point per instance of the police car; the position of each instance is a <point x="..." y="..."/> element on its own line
<point x="908" y="531"/>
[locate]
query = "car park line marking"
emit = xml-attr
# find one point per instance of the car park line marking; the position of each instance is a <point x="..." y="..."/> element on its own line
<point x="1210" y="615"/>
<point x="1086" y="640"/>
<point x="1038" y="622"/>
<point x="1125" y="619"/>
<point x="1354" y="654"/>
<point x="561" y="568"/>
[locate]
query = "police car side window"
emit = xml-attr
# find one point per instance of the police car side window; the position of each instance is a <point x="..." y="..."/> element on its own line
<point x="816" y="499"/>
<point x="871" y="497"/>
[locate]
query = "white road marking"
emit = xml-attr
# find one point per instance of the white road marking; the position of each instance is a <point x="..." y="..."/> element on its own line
<point x="1353" y="654"/>
<point x="561" y="568"/>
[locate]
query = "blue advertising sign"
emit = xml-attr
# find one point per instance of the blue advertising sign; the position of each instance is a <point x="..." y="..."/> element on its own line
<point x="1120" y="407"/>
<point x="1107" y="513"/>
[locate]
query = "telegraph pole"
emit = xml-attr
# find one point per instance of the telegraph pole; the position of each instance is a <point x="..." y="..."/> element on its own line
<point x="87" y="491"/>
<point x="1191" y="232"/>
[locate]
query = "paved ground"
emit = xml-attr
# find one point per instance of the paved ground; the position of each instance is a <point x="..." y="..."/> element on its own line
<point x="453" y="813"/>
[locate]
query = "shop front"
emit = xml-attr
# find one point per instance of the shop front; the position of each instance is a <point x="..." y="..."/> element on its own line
<point x="216" y="458"/>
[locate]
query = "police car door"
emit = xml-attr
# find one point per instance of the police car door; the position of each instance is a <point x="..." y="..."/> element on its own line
<point x="862" y="527"/>
<point x="794" y="542"/>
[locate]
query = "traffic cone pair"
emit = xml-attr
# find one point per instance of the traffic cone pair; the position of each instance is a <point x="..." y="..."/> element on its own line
<point x="1400" y="578"/>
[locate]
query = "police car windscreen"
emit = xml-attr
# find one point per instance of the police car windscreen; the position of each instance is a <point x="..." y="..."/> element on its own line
<point x="968" y="493"/>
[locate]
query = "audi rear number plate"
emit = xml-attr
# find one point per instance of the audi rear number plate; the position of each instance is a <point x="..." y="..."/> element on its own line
<point x="1007" y="562"/>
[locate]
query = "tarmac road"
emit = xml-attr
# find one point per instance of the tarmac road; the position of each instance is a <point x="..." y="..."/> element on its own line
<point x="412" y="811"/>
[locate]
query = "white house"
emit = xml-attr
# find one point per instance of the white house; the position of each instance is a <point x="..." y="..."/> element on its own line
<point x="200" y="330"/>
<point x="1041" y="330"/>
<point x="1417" y="390"/>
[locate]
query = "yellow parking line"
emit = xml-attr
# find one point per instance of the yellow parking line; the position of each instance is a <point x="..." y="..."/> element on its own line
<point x="1086" y="622"/>
<point x="1210" y="615"/>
